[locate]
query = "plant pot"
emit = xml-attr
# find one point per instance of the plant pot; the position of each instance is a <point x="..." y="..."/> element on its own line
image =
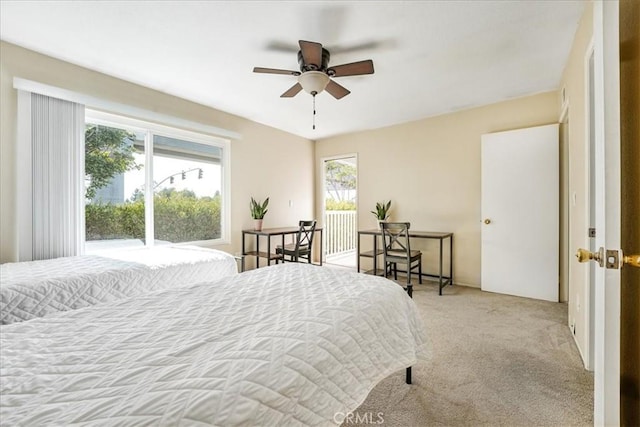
<point x="257" y="224"/>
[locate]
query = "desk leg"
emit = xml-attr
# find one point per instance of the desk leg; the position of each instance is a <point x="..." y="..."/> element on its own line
<point x="375" y="257"/>
<point x="244" y="249"/>
<point x="282" y="250"/>
<point x="257" y="251"/>
<point x="268" y="249"/>
<point x="441" y="244"/>
<point x="451" y="260"/>
<point x="358" y="254"/>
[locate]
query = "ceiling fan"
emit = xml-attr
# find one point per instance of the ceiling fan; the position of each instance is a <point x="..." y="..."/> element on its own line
<point x="315" y="73"/>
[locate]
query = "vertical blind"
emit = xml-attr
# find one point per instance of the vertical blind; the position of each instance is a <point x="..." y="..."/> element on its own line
<point x="57" y="176"/>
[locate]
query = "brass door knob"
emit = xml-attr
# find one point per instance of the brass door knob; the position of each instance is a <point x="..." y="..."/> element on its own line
<point x="633" y="260"/>
<point x="487" y="221"/>
<point x="584" y="255"/>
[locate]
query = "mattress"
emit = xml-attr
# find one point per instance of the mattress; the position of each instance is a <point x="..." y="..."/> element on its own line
<point x="289" y="344"/>
<point x="38" y="288"/>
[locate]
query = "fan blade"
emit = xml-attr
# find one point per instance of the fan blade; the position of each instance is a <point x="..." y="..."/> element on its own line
<point x="311" y="53"/>
<point x="275" y="71"/>
<point x="365" y="45"/>
<point x="352" y="69"/>
<point x="293" y="91"/>
<point x="336" y="90"/>
<point x="280" y="46"/>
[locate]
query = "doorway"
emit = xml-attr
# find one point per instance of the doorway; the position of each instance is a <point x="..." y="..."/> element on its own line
<point x="340" y="181"/>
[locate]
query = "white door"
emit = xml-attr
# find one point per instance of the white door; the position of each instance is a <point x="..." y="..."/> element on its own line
<point x="520" y="212"/>
<point x="607" y="212"/>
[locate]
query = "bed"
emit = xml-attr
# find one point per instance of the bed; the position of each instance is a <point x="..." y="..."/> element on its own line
<point x="289" y="344"/>
<point x="38" y="288"/>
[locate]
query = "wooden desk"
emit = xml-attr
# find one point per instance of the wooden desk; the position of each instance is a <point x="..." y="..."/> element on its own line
<point x="437" y="235"/>
<point x="268" y="233"/>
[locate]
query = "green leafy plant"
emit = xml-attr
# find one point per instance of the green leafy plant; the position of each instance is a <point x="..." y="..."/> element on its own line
<point x="108" y="152"/>
<point x="382" y="210"/>
<point x="258" y="210"/>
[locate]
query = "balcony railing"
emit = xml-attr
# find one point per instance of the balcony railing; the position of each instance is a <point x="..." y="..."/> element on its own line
<point x="340" y="231"/>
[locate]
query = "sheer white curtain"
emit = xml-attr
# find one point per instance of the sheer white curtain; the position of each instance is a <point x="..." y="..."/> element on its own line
<point x="51" y="177"/>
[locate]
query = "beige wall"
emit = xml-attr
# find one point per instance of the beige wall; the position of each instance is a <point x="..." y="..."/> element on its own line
<point x="573" y="80"/>
<point x="430" y="169"/>
<point x="264" y="162"/>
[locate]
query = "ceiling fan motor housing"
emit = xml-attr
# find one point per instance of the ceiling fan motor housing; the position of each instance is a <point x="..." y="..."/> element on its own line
<point x="314" y="67"/>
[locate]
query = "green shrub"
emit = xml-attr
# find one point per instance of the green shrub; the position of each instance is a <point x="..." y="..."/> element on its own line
<point x="178" y="217"/>
<point x="340" y="205"/>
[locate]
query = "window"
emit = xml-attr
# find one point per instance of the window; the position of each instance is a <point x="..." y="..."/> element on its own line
<point x="147" y="184"/>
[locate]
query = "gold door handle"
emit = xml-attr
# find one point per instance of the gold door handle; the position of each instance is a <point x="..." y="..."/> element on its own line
<point x="632" y="260"/>
<point x="487" y="221"/>
<point x="610" y="258"/>
<point x="584" y="255"/>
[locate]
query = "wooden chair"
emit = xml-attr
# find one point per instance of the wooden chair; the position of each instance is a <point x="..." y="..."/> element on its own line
<point x="301" y="248"/>
<point x="397" y="250"/>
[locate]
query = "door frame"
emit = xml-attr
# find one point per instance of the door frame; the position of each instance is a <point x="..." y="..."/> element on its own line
<point x="566" y="252"/>
<point x="590" y="200"/>
<point x="607" y="137"/>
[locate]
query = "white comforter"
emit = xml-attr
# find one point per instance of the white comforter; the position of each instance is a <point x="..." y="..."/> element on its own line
<point x="38" y="288"/>
<point x="290" y="344"/>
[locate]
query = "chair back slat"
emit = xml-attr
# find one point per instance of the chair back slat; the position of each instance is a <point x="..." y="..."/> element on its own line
<point x="301" y="248"/>
<point x="305" y="234"/>
<point x="397" y="249"/>
<point x="395" y="237"/>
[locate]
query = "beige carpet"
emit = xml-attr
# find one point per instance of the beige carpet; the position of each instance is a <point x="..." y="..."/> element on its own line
<point x="497" y="360"/>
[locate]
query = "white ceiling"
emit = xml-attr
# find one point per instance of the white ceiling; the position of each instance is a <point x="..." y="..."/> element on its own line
<point x="430" y="57"/>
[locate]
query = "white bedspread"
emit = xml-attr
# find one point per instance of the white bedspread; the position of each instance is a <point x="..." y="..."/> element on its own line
<point x="38" y="288"/>
<point x="290" y="344"/>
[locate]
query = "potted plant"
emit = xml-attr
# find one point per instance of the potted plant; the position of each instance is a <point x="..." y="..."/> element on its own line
<point x="258" y="211"/>
<point x="382" y="211"/>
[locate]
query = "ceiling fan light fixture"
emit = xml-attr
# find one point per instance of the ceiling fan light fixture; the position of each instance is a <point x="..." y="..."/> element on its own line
<point x="313" y="82"/>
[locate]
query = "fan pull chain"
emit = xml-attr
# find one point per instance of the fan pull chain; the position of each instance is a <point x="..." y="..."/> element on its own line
<point x="314" y="111"/>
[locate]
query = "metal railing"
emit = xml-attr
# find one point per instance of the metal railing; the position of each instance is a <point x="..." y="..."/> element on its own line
<point x="340" y="231"/>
